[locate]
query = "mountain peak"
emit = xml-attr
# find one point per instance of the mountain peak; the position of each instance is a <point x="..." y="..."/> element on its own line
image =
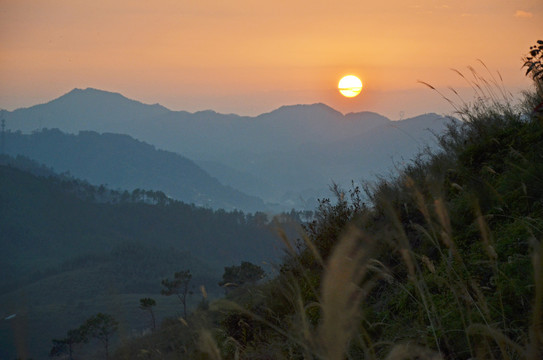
<point x="316" y="107"/>
<point x="428" y="117"/>
<point x="366" y="116"/>
<point x="94" y="96"/>
<point x="92" y="91"/>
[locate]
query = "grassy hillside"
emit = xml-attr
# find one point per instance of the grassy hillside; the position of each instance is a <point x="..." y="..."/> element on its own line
<point x="443" y="262"/>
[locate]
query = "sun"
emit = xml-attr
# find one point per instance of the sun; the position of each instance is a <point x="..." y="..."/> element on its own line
<point x="350" y="86"/>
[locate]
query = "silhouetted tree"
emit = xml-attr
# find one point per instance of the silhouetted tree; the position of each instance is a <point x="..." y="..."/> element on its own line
<point x="245" y="273"/>
<point x="533" y="62"/>
<point x="66" y="346"/>
<point x="102" y="327"/>
<point x="147" y="304"/>
<point x="179" y="287"/>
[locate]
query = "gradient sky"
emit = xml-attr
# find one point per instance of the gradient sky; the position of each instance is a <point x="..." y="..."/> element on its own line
<point x="250" y="57"/>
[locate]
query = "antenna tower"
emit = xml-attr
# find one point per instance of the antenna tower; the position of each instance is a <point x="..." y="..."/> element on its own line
<point x="3" y="136"/>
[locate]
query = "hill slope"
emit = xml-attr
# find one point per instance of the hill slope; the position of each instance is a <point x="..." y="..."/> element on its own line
<point x="123" y="162"/>
<point x="445" y="261"/>
<point x="70" y="250"/>
<point x="43" y="219"/>
<point x="87" y="109"/>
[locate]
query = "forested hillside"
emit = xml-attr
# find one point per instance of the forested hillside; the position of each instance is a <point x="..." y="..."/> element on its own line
<point x="70" y="249"/>
<point x="122" y="162"/>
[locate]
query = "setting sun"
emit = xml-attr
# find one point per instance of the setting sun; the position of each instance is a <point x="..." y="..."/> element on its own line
<point x="350" y="86"/>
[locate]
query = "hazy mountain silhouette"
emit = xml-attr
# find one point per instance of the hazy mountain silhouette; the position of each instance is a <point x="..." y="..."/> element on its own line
<point x="88" y="109"/>
<point x="123" y="162"/>
<point x="294" y="149"/>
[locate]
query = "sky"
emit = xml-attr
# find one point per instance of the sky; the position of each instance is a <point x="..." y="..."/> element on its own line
<point x="251" y="57"/>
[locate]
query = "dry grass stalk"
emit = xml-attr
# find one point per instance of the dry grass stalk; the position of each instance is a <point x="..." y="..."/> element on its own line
<point x="341" y="293"/>
<point x="419" y="199"/>
<point x="446" y="234"/>
<point x="486" y="235"/>
<point x="286" y="241"/>
<point x="429" y="264"/>
<point x="207" y="345"/>
<point x="414" y="271"/>
<point x="504" y="342"/>
<point x="313" y="249"/>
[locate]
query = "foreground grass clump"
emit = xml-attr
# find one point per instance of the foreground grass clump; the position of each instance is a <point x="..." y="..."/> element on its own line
<point x="442" y="262"/>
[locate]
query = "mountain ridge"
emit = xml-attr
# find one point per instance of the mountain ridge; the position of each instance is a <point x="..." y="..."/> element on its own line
<point x="123" y="162"/>
<point x="266" y="147"/>
<point x="101" y="92"/>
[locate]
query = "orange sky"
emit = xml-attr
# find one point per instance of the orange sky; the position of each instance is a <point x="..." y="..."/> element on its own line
<point x="250" y="57"/>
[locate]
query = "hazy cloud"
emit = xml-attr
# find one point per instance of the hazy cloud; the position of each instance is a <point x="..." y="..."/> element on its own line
<point x="523" y="14"/>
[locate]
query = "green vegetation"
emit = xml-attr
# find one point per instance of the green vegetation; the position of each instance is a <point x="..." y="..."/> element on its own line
<point x="71" y="250"/>
<point x="246" y="273"/>
<point x="57" y="219"/>
<point x="100" y="326"/>
<point x="179" y="287"/>
<point x="534" y="67"/>
<point x="442" y="262"/>
<point x="147" y="304"/>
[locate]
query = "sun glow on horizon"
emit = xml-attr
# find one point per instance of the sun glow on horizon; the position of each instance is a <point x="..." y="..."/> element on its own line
<point x="257" y="56"/>
<point x="350" y="86"/>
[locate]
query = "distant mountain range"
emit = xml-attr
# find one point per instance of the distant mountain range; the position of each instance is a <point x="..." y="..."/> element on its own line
<point x="123" y="162"/>
<point x="289" y="156"/>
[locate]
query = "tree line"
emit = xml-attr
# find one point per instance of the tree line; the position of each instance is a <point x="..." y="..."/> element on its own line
<point x="103" y="327"/>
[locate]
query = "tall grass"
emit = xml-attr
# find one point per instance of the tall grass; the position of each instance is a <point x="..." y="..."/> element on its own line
<point x="445" y="284"/>
<point x="446" y="262"/>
